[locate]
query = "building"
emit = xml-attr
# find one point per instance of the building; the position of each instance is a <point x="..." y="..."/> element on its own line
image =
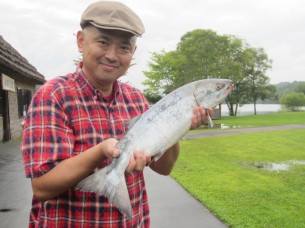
<point x="19" y="81"/>
<point x="216" y="113"/>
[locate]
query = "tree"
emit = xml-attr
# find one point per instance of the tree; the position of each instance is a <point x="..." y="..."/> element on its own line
<point x="300" y="88"/>
<point x="293" y="100"/>
<point x="152" y="97"/>
<point x="204" y="54"/>
<point x="257" y="82"/>
<point x="200" y="54"/>
<point x="163" y="76"/>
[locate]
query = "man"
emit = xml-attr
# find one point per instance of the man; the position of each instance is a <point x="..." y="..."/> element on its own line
<point x="74" y="122"/>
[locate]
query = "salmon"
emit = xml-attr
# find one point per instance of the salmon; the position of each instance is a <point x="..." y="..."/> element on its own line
<point x="153" y="132"/>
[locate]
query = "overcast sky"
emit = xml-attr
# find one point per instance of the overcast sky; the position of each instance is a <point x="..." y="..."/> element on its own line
<point x="43" y="30"/>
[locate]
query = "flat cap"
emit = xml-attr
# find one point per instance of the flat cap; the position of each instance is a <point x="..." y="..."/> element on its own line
<point x="112" y="15"/>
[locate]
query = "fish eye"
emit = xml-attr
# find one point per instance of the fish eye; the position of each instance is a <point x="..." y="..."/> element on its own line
<point x="219" y="86"/>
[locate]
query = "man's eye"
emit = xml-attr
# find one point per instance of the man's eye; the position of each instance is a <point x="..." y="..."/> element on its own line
<point x="102" y="42"/>
<point x="125" y="48"/>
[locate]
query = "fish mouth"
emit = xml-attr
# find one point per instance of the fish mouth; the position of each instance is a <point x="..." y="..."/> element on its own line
<point x="229" y="89"/>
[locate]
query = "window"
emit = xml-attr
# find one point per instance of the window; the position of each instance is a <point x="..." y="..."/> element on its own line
<point x="24" y="99"/>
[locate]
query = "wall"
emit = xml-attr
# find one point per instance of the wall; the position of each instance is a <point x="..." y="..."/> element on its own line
<point x="15" y="121"/>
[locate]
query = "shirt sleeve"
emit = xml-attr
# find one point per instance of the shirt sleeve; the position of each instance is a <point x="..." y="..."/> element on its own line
<point x="47" y="137"/>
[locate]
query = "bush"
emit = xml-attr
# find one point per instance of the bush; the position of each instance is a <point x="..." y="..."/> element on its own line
<point x="293" y="100"/>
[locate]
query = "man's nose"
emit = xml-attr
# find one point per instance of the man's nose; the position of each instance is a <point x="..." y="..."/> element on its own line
<point x="111" y="53"/>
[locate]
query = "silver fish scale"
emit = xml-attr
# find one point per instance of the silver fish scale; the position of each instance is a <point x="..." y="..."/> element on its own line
<point x="162" y="126"/>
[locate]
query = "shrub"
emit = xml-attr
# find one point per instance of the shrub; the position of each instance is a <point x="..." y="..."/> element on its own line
<point x="293" y="100"/>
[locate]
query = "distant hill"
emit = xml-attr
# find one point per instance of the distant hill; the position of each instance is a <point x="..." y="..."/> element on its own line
<point x="284" y="87"/>
<point x="281" y="88"/>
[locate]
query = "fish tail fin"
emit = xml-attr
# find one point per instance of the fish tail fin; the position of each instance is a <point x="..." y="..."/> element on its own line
<point x="117" y="193"/>
<point x="111" y="185"/>
<point x="94" y="182"/>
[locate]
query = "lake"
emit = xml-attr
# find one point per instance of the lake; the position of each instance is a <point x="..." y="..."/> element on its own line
<point x="248" y="109"/>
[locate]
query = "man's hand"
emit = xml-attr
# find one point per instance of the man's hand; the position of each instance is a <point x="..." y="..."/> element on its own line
<point x="200" y="116"/>
<point x="138" y="161"/>
<point x="108" y="148"/>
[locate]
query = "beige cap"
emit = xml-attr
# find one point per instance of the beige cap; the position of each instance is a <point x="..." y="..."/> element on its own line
<point x="112" y="15"/>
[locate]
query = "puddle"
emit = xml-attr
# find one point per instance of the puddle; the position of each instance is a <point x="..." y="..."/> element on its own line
<point x="294" y="162"/>
<point x="223" y="126"/>
<point x="284" y="166"/>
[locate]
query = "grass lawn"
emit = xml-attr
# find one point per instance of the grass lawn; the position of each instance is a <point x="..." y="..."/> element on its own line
<point x="213" y="170"/>
<point x="281" y="118"/>
<point x="272" y="119"/>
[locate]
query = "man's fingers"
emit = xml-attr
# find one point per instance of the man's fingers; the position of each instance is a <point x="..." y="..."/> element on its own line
<point x="200" y="116"/>
<point x="148" y="160"/>
<point x="132" y="164"/>
<point x="197" y="117"/>
<point x="138" y="161"/>
<point x="115" y="153"/>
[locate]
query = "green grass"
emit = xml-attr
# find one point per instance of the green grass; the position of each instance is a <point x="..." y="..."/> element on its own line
<point x="242" y="196"/>
<point x="280" y="118"/>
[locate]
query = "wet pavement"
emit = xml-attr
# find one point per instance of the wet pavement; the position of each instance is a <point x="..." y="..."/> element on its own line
<point x="15" y="189"/>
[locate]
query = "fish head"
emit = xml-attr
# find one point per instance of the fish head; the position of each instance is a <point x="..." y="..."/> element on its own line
<point x="211" y="92"/>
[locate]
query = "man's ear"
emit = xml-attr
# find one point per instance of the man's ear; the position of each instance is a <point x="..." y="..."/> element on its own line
<point x="80" y="41"/>
<point x="135" y="48"/>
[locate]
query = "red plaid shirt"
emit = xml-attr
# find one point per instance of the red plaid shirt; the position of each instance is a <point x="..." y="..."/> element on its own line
<point x="67" y="116"/>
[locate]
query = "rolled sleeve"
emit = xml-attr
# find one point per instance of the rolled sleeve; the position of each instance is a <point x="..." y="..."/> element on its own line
<point x="47" y="137"/>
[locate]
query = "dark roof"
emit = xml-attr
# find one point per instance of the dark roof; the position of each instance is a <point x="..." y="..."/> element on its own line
<point x="14" y="64"/>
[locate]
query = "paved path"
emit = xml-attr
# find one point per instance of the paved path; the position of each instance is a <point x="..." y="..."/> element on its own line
<point x="170" y="204"/>
<point x="206" y="134"/>
<point x="173" y="207"/>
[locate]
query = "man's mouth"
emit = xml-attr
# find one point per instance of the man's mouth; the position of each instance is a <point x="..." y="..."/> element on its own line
<point x="108" y="65"/>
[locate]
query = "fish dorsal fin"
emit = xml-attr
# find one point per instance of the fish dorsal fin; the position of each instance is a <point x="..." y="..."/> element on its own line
<point x="130" y="123"/>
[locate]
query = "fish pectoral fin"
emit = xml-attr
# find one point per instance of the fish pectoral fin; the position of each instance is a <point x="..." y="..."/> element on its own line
<point x="130" y="123"/>
<point x="210" y="121"/>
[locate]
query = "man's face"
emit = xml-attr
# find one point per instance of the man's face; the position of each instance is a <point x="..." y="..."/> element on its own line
<point x="106" y="53"/>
